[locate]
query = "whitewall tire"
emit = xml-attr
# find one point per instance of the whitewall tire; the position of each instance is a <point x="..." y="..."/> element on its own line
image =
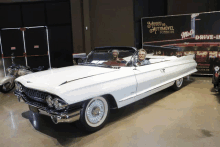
<point x="94" y="114"/>
<point x="7" y="87"/>
<point x="178" y="84"/>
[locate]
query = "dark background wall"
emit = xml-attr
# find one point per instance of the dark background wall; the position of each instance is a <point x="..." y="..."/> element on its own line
<point x="112" y="15"/>
<point x="77" y="26"/>
<point x="56" y="14"/>
<point x="111" y="23"/>
<point x="146" y="8"/>
<point x="108" y="22"/>
<point x="192" y="6"/>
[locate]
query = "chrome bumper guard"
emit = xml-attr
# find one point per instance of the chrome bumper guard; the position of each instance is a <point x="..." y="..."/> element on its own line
<point x="66" y="118"/>
<point x="56" y="117"/>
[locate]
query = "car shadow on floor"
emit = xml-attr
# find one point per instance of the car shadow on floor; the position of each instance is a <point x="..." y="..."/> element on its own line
<point x="67" y="134"/>
<point x="217" y="94"/>
<point x="133" y="108"/>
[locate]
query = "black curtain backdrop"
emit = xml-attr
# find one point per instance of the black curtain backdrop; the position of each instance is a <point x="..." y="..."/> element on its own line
<point x="56" y="15"/>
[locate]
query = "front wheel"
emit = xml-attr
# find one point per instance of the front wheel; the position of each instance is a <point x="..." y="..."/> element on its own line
<point x="178" y="84"/>
<point x="95" y="114"/>
<point x="216" y="87"/>
<point x="5" y="88"/>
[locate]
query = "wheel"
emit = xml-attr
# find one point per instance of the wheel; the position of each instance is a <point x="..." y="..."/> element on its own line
<point x="5" y="88"/>
<point x="94" y="115"/>
<point x="216" y="87"/>
<point x="178" y="84"/>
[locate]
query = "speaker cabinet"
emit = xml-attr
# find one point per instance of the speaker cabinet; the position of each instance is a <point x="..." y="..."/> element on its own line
<point x="36" y="41"/>
<point x="12" y="42"/>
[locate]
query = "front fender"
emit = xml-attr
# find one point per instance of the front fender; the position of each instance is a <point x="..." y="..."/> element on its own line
<point x="6" y="79"/>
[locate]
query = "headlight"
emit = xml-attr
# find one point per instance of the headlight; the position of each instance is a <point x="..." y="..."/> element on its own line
<point x="49" y="101"/>
<point x="216" y="68"/>
<point x="59" y="104"/>
<point x="18" y="87"/>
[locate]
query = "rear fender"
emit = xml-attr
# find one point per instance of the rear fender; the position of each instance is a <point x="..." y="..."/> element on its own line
<point x="7" y="79"/>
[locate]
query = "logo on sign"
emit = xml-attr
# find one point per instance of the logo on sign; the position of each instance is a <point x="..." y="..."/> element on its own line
<point x="187" y="34"/>
<point x="160" y="27"/>
<point x="13" y="48"/>
<point x="36" y="46"/>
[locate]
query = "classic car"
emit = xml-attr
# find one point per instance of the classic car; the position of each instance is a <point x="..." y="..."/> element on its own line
<point x="85" y="93"/>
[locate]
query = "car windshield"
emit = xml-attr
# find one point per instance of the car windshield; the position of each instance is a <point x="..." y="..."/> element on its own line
<point x="109" y="57"/>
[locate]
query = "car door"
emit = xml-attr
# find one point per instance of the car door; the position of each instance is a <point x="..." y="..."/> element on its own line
<point x="123" y="85"/>
<point x="149" y="79"/>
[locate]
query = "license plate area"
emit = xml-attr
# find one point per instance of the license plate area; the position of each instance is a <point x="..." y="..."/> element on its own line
<point x="33" y="109"/>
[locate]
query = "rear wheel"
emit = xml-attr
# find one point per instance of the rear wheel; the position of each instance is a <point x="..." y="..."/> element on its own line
<point x="216" y="87"/>
<point x="178" y="84"/>
<point x="95" y="114"/>
<point x="5" y="88"/>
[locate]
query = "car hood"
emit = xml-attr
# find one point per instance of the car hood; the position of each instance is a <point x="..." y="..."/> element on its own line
<point x="54" y="78"/>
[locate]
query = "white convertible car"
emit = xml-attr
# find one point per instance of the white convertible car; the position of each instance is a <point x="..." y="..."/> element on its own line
<point x="86" y="92"/>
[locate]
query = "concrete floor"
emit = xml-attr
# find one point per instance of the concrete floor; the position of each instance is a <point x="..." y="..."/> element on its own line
<point x="186" y="118"/>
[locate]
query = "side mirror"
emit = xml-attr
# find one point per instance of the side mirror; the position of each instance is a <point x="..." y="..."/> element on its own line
<point x="135" y="61"/>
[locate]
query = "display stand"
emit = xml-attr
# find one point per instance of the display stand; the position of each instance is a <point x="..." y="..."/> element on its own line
<point x="24" y="45"/>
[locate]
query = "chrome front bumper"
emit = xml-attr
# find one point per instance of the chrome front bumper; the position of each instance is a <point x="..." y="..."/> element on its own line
<point x="56" y="117"/>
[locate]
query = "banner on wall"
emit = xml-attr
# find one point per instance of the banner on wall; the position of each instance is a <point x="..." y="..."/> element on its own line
<point x="185" y="34"/>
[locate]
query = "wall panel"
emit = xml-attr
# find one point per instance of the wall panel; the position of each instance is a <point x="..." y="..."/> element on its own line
<point x="111" y="23"/>
<point x="33" y="14"/>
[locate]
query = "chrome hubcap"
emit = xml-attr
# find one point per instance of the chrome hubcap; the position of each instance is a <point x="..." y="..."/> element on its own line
<point x="179" y="82"/>
<point x="95" y="111"/>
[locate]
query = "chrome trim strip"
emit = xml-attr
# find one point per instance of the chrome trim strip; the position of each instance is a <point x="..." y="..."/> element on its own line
<point x="84" y="78"/>
<point x="169" y="81"/>
<point x="155" y="87"/>
<point x="163" y="67"/>
<point x="143" y="92"/>
<point x="126" y="98"/>
<point x="202" y="74"/>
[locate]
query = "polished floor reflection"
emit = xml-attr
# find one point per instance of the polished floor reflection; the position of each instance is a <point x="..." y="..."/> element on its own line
<point x="188" y="117"/>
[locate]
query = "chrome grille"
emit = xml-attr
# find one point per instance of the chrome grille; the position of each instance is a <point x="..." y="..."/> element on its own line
<point x="35" y="94"/>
